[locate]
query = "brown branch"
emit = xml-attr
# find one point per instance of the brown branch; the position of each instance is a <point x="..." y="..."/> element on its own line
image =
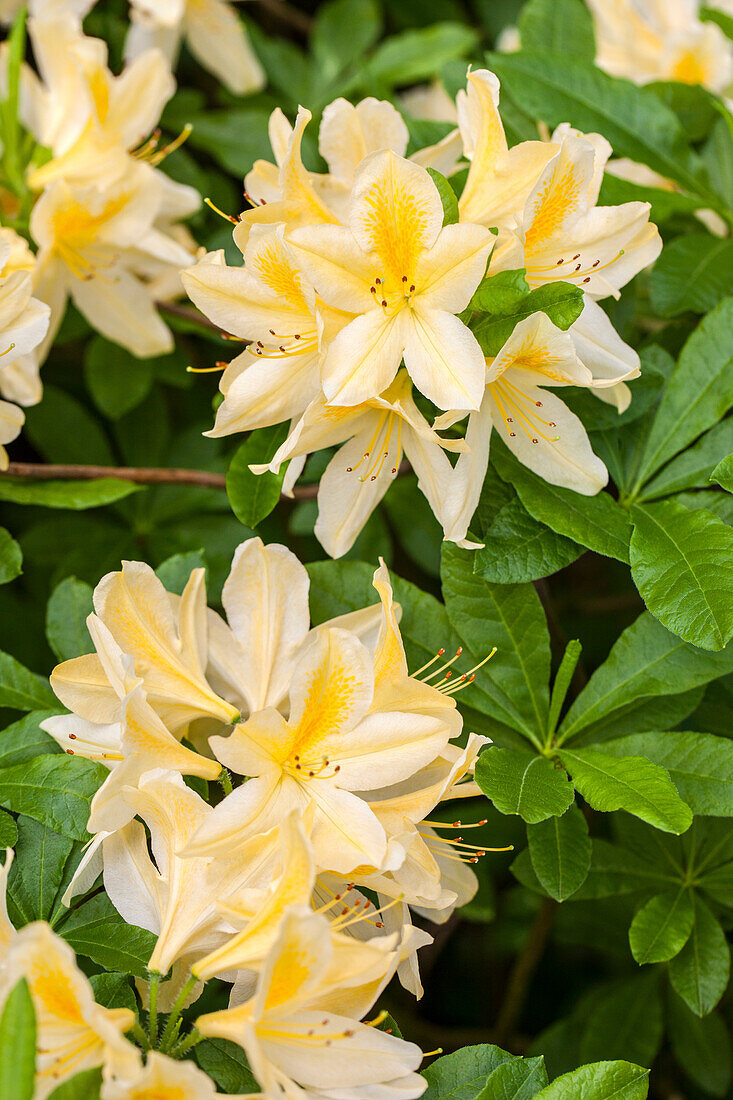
<point x="289" y="15"/>
<point x="142" y="475"/>
<point x="177" y="309"/>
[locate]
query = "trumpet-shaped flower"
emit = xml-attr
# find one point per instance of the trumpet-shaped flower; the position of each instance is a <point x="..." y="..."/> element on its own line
<point x="658" y="40"/>
<point x="213" y="32"/>
<point x="499" y="178"/>
<point x="269" y="303"/>
<point x="73" y="1031"/>
<point x="374" y="436"/>
<point x="23" y="321"/>
<point x="88" y="118"/>
<point x="292" y="1040"/>
<point x="135" y="616"/>
<point x="534" y="423"/>
<point x="332" y="744"/>
<point x="176" y="898"/>
<point x="405" y="278"/>
<point x="161" y="1078"/>
<point x="93" y="247"/>
<point x="11" y="421"/>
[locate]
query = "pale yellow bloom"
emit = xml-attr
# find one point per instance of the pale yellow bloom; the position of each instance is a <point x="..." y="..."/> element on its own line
<point x="212" y="30"/>
<point x="23" y="322"/>
<point x="90" y="119"/>
<point x="647" y="40"/>
<point x="405" y="277"/>
<point x="74" y="1033"/>
<point x="161" y="1078"/>
<point x="293" y="1038"/>
<point x="93" y="246"/>
<point x="372" y="438"/>
<point x="165" y="642"/>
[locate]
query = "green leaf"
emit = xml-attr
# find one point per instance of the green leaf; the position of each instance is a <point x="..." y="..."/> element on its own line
<point x="700" y="766"/>
<point x="11" y="557"/>
<point x="342" y="33"/>
<point x="562" y="27"/>
<point x="693" y="272"/>
<point x="25" y="739"/>
<point x="682" y="564"/>
<point x="616" y="870"/>
<point x="562" y="302"/>
<point x="82" y="1086"/>
<point x="600" y="1081"/>
<point x="234" y="138"/>
<point x="63" y="430"/>
<point x="563" y="678"/>
<point x="500" y="293"/>
<point x="175" y="571"/>
<point x="646" y="661"/>
<point x="637" y="124"/>
<point x="695" y="467"/>
<point x="511" y="618"/>
<point x="18" y="1045"/>
<point x="628" y="783"/>
<point x="560" y="851"/>
<point x="447" y="196"/>
<point x="415" y="55"/>
<point x="700" y="972"/>
<point x="664" y="204"/>
<point x="56" y="790"/>
<point x="523" y="784"/>
<point x="37" y="872"/>
<point x="66" y="619"/>
<point x="227" y="1064"/>
<point x="113" y="991"/>
<point x="75" y="495"/>
<point x="463" y="1074"/>
<point x="253" y="496"/>
<point x="701" y="1046"/>
<point x="518" y="549"/>
<point x="723" y="473"/>
<point x="661" y="928"/>
<point x="98" y="931"/>
<point x="623" y="1018"/>
<point x="519" y="1079"/>
<point x="597" y="522"/>
<point x="8" y="830"/>
<point x="21" y="689"/>
<point x="117" y="380"/>
<point x="698" y="394"/>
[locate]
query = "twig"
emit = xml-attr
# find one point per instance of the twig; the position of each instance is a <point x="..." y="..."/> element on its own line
<point x="288" y="14"/>
<point x="522" y="972"/>
<point x="176" y="309"/>
<point x="142" y="475"/>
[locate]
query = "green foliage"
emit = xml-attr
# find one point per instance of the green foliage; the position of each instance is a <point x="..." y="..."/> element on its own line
<point x="253" y="496"/>
<point x="561" y="302"/>
<point x="18" y="1044"/>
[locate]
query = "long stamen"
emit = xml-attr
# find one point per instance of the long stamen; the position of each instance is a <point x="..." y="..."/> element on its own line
<point x="10" y="348"/>
<point x="226" y="217"/>
<point x="427" y="664"/>
<point x="443" y="667"/>
<point x="207" y="370"/>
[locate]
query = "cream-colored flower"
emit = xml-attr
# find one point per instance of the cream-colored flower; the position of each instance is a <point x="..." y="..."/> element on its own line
<point x="405" y="277"/>
<point x="374" y="435"/>
<point x="90" y="119"/>
<point x="161" y="1078"/>
<point x="23" y="322"/>
<point x="269" y="303"/>
<point x="166" y="641"/>
<point x="646" y="40"/>
<point x="293" y="1038"/>
<point x="535" y="424"/>
<point x="11" y="421"/>
<point x="332" y="744"/>
<point x="348" y="133"/>
<point x="213" y="32"/>
<point x="74" y="1033"/>
<point x="92" y="247"/>
<point x="176" y="898"/>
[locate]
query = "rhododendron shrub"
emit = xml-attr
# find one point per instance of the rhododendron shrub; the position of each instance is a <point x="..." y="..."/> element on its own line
<point x="366" y="566"/>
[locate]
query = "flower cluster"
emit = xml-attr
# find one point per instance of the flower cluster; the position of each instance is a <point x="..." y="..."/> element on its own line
<point x="298" y="886"/>
<point x="354" y="293"/>
<point x="102" y="217"/>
